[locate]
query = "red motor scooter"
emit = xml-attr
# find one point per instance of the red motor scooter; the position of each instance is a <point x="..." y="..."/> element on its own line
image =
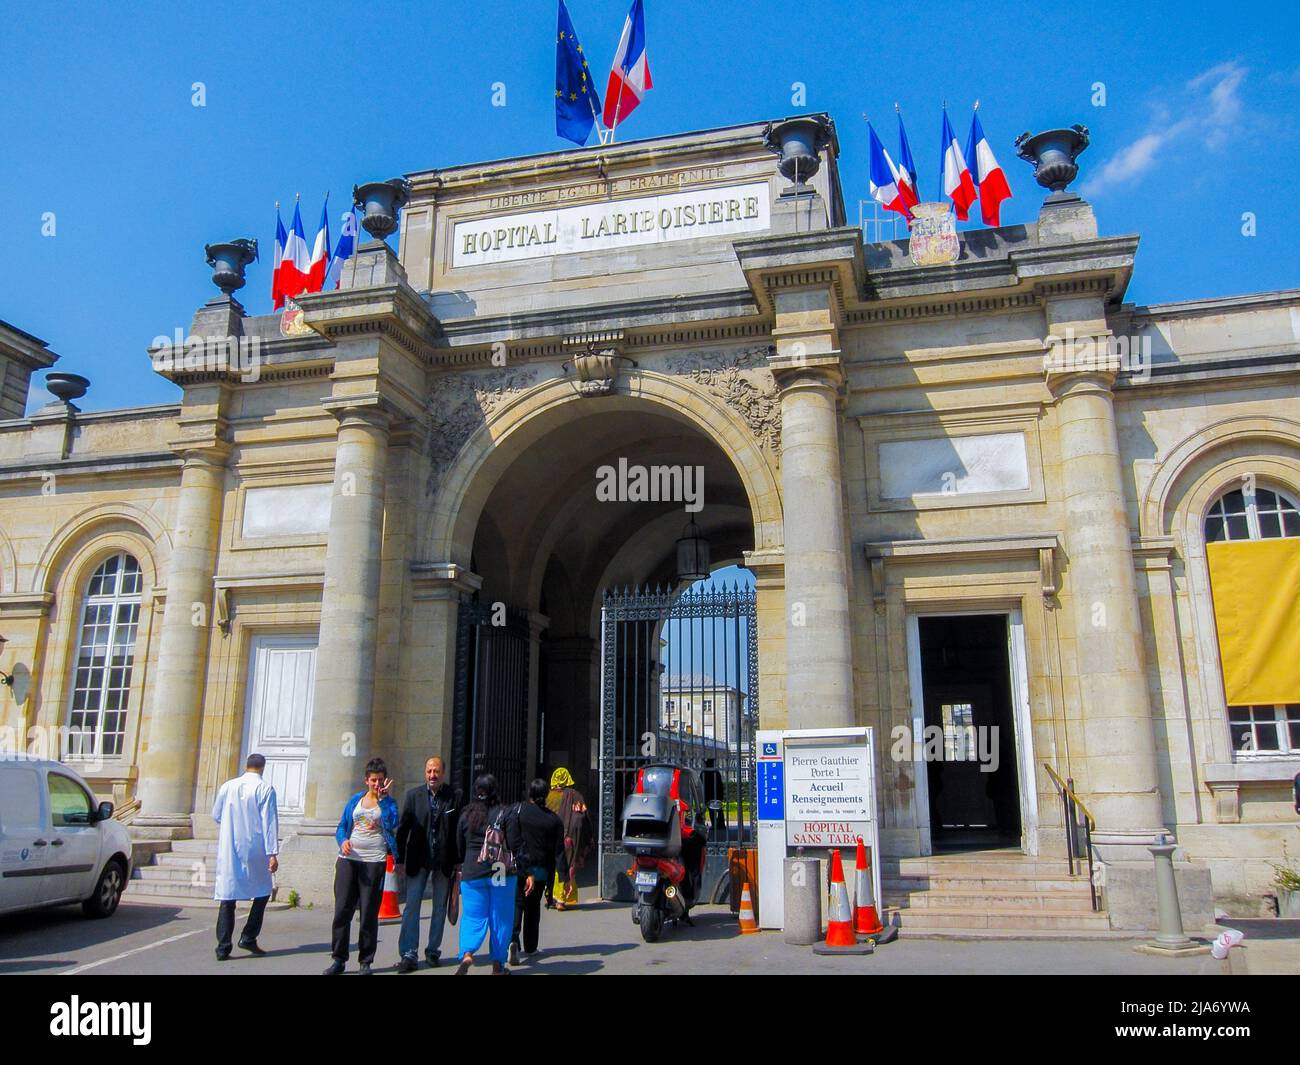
<point x="665" y="829"/>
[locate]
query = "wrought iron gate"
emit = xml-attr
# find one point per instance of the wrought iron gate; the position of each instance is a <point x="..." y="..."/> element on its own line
<point x="490" y="726"/>
<point x="679" y="682"/>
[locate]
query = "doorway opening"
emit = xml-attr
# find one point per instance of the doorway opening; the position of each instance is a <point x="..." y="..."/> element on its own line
<point x="969" y="697"/>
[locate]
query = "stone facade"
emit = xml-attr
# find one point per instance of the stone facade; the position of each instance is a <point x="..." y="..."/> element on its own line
<point x="882" y="442"/>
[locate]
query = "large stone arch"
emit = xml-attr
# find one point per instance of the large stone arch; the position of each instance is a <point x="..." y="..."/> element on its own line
<point x="526" y="419"/>
<point x="126" y="522"/>
<point x="1196" y="468"/>
<point x="1196" y="472"/>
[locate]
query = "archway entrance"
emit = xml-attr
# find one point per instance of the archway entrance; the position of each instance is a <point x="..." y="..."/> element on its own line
<point x="596" y="498"/>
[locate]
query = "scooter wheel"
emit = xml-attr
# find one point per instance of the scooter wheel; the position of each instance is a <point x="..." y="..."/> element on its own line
<point x="652" y="923"/>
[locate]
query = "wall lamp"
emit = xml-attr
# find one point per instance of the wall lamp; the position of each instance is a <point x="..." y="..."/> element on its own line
<point x="7" y="679"/>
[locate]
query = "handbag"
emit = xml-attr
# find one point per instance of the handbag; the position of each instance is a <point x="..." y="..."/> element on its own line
<point x="453" y="897"/>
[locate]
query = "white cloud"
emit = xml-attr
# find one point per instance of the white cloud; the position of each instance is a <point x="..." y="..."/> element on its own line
<point x="1211" y="106"/>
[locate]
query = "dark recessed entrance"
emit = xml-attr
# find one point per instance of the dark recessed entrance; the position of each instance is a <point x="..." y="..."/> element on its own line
<point x="970" y="735"/>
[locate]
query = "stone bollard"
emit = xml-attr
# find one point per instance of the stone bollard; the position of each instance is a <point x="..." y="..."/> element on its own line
<point x="1171" y="939"/>
<point x="803" y="901"/>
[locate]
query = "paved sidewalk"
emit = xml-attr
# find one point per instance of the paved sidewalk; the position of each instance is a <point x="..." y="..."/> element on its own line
<point x="595" y="938"/>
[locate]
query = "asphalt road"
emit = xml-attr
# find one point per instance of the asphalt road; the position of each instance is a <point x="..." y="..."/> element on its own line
<point x="595" y="938"/>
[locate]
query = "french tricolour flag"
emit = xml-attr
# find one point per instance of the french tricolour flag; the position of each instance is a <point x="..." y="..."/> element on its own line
<point x="347" y="245"/>
<point x="320" y="252"/>
<point x="954" y="173"/>
<point x="886" y="182"/>
<point x="992" y="183"/>
<point x="277" y="297"/>
<point x="629" y="76"/>
<point x="295" y="262"/>
<point x="907" y="183"/>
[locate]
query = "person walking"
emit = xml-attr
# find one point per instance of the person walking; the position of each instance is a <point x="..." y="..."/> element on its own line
<point x="425" y="846"/>
<point x="366" y="838"/>
<point x="248" y="841"/>
<point x="567" y="803"/>
<point x="489" y="845"/>
<point x="543" y="837"/>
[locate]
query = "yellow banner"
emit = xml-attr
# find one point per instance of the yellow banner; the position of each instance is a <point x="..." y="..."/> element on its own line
<point x="1256" y="587"/>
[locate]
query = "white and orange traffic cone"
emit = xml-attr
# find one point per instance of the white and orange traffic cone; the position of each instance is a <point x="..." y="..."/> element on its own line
<point x="388" y="910"/>
<point x="839" y="929"/>
<point x="866" y="919"/>
<point x="748" y="925"/>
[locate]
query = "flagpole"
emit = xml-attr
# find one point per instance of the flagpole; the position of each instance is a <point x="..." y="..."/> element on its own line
<point x="622" y="82"/>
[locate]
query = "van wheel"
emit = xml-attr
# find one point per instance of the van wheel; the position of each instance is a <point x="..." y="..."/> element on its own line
<point x="108" y="892"/>
<point x="652" y="923"/>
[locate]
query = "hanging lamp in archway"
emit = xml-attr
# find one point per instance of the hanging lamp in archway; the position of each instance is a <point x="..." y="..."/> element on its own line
<point x="692" y="554"/>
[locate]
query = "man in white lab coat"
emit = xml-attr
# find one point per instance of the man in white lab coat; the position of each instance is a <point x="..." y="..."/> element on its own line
<point x="249" y="840"/>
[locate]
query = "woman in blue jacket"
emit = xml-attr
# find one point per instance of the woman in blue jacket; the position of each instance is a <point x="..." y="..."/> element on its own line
<point x="366" y="836"/>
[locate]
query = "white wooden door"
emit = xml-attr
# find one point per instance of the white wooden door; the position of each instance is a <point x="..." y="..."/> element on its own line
<point x="282" y="678"/>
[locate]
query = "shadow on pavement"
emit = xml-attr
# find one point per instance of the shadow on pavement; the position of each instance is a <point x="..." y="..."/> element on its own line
<point x="67" y="928"/>
<point x="10" y="967"/>
<point x="1264" y="927"/>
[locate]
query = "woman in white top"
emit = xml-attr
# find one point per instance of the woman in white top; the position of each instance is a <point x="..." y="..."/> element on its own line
<point x="366" y="838"/>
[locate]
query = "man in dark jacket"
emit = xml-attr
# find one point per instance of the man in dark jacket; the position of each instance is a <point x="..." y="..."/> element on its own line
<point x="426" y="838"/>
<point x="543" y="835"/>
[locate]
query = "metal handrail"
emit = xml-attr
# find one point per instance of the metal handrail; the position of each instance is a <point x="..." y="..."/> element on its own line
<point x="1073" y="806"/>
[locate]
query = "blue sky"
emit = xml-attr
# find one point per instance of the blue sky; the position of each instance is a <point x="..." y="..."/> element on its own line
<point x="1198" y="127"/>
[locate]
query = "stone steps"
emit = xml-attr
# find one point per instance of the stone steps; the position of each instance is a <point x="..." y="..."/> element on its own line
<point x="180" y="875"/>
<point x="978" y="899"/>
<point x="990" y="894"/>
<point x="1002" y="919"/>
<point x="1010" y="883"/>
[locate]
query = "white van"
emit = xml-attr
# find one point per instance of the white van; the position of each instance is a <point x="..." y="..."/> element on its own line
<point x="57" y="844"/>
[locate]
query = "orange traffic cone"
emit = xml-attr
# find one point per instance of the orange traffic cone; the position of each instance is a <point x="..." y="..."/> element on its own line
<point x="748" y="924"/>
<point x="866" y="920"/>
<point x="839" y="929"/>
<point x="388" y="910"/>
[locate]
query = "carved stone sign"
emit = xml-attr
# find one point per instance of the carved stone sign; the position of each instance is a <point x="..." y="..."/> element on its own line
<point x="618" y="224"/>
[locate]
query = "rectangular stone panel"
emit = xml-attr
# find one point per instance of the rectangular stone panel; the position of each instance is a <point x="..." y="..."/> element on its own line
<point x="286" y="510"/>
<point x="956" y="465"/>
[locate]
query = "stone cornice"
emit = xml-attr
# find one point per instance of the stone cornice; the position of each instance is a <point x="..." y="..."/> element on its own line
<point x="392" y="310"/>
<point x="818" y="258"/>
<point x="1023" y="277"/>
<point x="25" y="349"/>
<point x="583" y="164"/>
<point x="98" y="466"/>
<point x="967" y="548"/>
<point x="25" y="604"/>
<point x="442" y="580"/>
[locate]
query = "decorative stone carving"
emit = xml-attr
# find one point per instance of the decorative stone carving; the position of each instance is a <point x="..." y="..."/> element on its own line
<point x="458" y="405"/>
<point x="727" y="374"/>
<point x="596" y="370"/>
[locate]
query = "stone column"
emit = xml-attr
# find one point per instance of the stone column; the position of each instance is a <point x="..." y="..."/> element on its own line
<point x="345" y="658"/>
<point x="819" y="657"/>
<point x="169" y="759"/>
<point x="1122" y="780"/>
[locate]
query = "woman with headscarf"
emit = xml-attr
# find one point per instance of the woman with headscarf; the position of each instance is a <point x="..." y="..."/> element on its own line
<point x="567" y="803"/>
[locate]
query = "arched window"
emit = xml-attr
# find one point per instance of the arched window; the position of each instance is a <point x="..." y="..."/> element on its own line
<point x="1251" y="513"/>
<point x="1255" y="513"/>
<point x="101" y="685"/>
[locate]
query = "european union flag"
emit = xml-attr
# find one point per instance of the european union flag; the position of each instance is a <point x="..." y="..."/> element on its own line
<point x="576" y="102"/>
